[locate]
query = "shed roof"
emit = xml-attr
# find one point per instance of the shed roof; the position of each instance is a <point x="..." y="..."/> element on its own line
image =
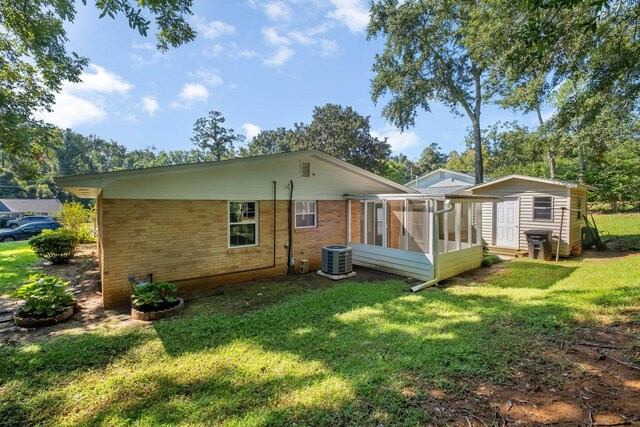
<point x="533" y="179"/>
<point x="29" y="205"/>
<point x="435" y="172"/>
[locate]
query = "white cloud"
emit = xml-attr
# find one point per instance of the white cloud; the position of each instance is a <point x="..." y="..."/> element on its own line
<point x="208" y="77"/>
<point x="145" y="54"/>
<point x="354" y="14"/>
<point x="277" y="11"/>
<point x="279" y="57"/>
<point x="70" y="111"/>
<point x="146" y="45"/>
<point x="150" y="105"/>
<point x="272" y="38"/>
<point x="213" y="29"/>
<point x="131" y="118"/>
<point x="302" y="38"/>
<point x="101" y="81"/>
<point x="398" y="140"/>
<point x="194" y="92"/>
<point x="329" y="48"/>
<point x="237" y="52"/>
<point x="79" y="103"/>
<point x="251" y="130"/>
<point x="189" y="94"/>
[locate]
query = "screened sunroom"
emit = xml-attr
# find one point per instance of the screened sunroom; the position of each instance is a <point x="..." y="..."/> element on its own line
<point x="425" y="237"/>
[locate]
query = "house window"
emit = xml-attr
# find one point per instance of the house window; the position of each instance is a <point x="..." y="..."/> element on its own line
<point x="243" y="217"/>
<point x="543" y="208"/>
<point x="306" y="214"/>
<point x="579" y="206"/>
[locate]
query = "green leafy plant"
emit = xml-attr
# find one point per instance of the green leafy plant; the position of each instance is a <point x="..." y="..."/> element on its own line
<point x="57" y="246"/>
<point x="80" y="220"/>
<point x="489" y="259"/>
<point x="45" y="296"/>
<point x="153" y="295"/>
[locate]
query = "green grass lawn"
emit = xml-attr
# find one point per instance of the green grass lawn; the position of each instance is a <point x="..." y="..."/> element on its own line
<point x="15" y="259"/>
<point x="623" y="227"/>
<point x="346" y="355"/>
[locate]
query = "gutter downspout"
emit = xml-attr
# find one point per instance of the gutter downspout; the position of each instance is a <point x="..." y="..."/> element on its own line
<point x="289" y="226"/>
<point x="436" y="249"/>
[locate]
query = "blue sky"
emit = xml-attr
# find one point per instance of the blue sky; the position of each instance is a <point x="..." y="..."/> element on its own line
<point x="263" y="64"/>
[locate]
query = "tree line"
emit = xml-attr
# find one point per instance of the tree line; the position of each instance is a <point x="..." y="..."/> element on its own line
<point x="580" y="56"/>
<point x="611" y="153"/>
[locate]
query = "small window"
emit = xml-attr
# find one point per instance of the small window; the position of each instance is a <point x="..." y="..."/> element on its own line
<point x="542" y="208"/>
<point x="242" y="224"/>
<point x="306" y="214"/>
<point x="305" y="169"/>
<point x="579" y="206"/>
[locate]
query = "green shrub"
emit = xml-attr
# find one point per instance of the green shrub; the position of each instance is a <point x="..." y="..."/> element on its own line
<point x="45" y="296"/>
<point x="86" y="235"/>
<point x="80" y="220"/>
<point x="57" y="246"/>
<point x="149" y="296"/>
<point x="490" y="259"/>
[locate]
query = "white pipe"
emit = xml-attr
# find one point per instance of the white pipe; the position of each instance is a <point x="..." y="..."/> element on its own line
<point x="435" y="237"/>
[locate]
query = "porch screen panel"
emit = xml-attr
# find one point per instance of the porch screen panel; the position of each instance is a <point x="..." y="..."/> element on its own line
<point x="375" y="223"/>
<point x="464" y="225"/>
<point x="357" y="222"/>
<point x="417" y="226"/>
<point x="476" y="210"/>
<point x="451" y="228"/>
<point x="395" y="224"/>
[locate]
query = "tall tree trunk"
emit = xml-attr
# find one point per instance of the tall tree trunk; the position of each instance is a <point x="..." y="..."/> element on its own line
<point x="477" y="146"/>
<point x="477" y="134"/>
<point x="577" y="138"/>
<point x="550" y="156"/>
<point x="580" y="161"/>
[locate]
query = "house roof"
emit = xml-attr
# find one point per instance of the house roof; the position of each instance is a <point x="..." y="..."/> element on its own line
<point x="533" y="179"/>
<point x="29" y="205"/>
<point x="89" y="185"/>
<point x="441" y="191"/>
<point x="437" y="171"/>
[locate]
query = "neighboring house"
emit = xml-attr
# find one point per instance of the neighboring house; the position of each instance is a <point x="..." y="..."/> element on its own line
<point x="201" y="225"/>
<point x="16" y="208"/>
<point x="442" y="181"/>
<point x="531" y="203"/>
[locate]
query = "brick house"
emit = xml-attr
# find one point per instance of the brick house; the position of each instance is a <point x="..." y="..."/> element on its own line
<point x="206" y="224"/>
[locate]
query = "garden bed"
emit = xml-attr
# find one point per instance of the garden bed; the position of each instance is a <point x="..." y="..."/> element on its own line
<point x="25" y="320"/>
<point x="160" y="312"/>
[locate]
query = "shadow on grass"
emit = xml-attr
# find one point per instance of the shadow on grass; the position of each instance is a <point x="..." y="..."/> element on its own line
<point x="50" y="364"/>
<point x="340" y="356"/>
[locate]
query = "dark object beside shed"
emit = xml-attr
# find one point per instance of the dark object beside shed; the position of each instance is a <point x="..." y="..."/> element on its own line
<point x="539" y="244"/>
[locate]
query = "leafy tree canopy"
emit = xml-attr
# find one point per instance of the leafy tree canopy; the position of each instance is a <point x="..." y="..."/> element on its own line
<point x="34" y="61"/>
<point x="334" y="129"/>
<point x="213" y="138"/>
<point x="427" y="58"/>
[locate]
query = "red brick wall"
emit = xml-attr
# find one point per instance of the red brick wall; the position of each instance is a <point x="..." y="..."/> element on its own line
<point x="185" y="241"/>
<point x="331" y="230"/>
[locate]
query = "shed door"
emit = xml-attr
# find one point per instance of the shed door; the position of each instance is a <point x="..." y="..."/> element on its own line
<point x="507" y="222"/>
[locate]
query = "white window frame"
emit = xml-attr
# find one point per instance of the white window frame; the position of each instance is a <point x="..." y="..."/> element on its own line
<point x="256" y="222"/>
<point x="533" y="209"/>
<point x="579" y="207"/>
<point x="315" y="213"/>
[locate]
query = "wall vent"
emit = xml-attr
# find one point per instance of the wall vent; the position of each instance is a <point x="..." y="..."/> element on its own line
<point x="305" y="169"/>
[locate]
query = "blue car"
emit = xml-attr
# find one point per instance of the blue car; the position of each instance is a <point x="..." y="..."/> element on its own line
<point x="25" y="232"/>
<point x="15" y="223"/>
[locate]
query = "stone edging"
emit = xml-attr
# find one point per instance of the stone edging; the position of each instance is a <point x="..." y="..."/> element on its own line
<point x="32" y="322"/>
<point x="155" y="315"/>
